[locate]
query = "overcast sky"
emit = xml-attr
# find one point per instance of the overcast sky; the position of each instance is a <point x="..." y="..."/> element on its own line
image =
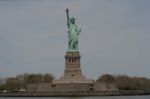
<point x="115" y="36"/>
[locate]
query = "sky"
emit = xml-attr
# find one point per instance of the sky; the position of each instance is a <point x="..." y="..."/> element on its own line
<point x="115" y="36"/>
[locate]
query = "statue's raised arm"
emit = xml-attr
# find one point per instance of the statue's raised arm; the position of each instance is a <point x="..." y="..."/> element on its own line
<point x="67" y="13"/>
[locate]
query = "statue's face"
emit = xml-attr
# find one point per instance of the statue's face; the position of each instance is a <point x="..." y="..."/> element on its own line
<point x="72" y="20"/>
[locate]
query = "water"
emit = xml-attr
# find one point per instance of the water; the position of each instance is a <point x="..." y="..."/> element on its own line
<point x="110" y="97"/>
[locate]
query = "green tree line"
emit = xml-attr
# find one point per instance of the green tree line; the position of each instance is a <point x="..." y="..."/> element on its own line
<point x="124" y="82"/>
<point x="21" y="81"/>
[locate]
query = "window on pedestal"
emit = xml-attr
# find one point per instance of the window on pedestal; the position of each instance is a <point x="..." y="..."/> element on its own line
<point x="72" y="75"/>
<point x="73" y="60"/>
<point x="69" y="60"/>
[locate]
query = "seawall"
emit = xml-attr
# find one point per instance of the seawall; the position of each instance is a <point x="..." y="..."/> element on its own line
<point x="73" y="93"/>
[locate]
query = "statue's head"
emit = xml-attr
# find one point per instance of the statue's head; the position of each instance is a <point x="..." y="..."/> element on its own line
<point x="72" y="20"/>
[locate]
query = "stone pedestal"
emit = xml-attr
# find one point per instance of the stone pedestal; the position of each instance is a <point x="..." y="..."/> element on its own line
<point x="72" y="80"/>
<point x="72" y="72"/>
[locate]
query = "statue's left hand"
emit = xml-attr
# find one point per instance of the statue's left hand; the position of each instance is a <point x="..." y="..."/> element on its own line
<point x="79" y="30"/>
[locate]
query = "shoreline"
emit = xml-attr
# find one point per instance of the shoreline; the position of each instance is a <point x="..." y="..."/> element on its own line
<point x="72" y="94"/>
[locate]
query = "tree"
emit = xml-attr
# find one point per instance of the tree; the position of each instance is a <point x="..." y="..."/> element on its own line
<point x="0" y="80"/>
<point x="12" y="84"/>
<point x="38" y="78"/>
<point x="106" y="78"/>
<point x="33" y="78"/>
<point x="1" y="85"/>
<point x="47" y="78"/>
<point x="21" y="81"/>
<point x="124" y="82"/>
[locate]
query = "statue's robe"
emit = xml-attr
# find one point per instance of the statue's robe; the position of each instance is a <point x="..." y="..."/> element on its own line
<point x="73" y="38"/>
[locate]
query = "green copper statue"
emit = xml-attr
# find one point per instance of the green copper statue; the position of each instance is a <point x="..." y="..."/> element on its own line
<point x="73" y="33"/>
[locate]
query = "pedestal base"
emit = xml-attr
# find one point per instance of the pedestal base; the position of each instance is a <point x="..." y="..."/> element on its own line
<point x="72" y="72"/>
<point x="65" y="81"/>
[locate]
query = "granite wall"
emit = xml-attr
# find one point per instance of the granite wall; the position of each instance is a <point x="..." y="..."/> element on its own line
<point x="48" y="87"/>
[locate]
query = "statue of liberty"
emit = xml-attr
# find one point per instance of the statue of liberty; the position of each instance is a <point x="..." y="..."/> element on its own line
<point x="73" y="33"/>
